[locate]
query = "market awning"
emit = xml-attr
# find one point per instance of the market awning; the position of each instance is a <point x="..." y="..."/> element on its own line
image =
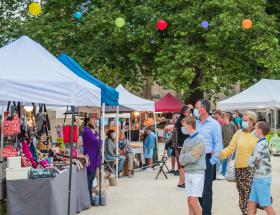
<point x="29" y="73"/>
<point x="109" y="95"/>
<point x="168" y="103"/>
<point x="133" y="102"/>
<point x="262" y="95"/>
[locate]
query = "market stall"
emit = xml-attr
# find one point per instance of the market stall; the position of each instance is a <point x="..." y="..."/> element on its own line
<point x="30" y="75"/>
<point x="264" y="95"/>
<point x="168" y="103"/>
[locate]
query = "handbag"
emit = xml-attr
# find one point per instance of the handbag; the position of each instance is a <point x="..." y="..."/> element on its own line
<point x="44" y="143"/>
<point x="42" y="173"/>
<point x="230" y="171"/>
<point x="9" y="151"/>
<point x="11" y="127"/>
<point x="67" y="131"/>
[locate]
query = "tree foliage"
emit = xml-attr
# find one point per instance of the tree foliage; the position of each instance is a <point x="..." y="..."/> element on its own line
<point x="184" y="57"/>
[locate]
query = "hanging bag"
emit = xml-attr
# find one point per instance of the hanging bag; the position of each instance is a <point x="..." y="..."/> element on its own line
<point x="11" y="125"/>
<point x="230" y="171"/>
<point x="67" y="131"/>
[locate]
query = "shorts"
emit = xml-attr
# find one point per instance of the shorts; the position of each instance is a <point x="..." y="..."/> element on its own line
<point x="260" y="192"/>
<point x="194" y="184"/>
<point x="148" y="153"/>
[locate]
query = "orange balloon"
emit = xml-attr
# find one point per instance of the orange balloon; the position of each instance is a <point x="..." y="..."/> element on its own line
<point x="247" y="24"/>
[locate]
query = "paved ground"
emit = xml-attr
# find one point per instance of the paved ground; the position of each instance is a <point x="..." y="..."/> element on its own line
<point x="144" y="195"/>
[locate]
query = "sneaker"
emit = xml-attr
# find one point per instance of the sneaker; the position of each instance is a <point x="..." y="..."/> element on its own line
<point x="149" y="169"/>
<point x="176" y="173"/>
<point x="220" y="177"/>
<point x="172" y="171"/>
<point x="181" y="187"/>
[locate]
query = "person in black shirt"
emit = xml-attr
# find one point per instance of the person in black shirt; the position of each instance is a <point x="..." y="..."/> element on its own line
<point x="185" y="111"/>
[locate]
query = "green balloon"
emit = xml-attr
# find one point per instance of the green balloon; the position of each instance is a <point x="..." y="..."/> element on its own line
<point x="120" y="22"/>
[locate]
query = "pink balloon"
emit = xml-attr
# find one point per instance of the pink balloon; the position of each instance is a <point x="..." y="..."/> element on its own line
<point x="161" y="25"/>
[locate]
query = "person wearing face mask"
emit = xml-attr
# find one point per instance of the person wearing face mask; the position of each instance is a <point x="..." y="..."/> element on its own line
<point x="178" y="142"/>
<point x="110" y="150"/>
<point x="192" y="158"/>
<point x="92" y="146"/>
<point x="237" y="119"/>
<point x="211" y="130"/>
<point x="228" y="130"/>
<point x="149" y="145"/>
<point x="243" y="144"/>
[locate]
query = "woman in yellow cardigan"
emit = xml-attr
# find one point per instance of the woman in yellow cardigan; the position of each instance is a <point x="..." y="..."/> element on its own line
<point x="244" y="141"/>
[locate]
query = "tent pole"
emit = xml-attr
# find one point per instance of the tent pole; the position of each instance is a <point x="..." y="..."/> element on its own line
<point x="103" y="140"/>
<point x="275" y="119"/>
<point x="2" y="136"/>
<point x="71" y="160"/>
<point x="129" y="129"/>
<point x="140" y="123"/>
<point x="101" y="165"/>
<point x="117" y="143"/>
<point x="155" y="123"/>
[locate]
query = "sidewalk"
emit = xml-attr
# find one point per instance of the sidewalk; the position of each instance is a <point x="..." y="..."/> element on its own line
<point x="145" y="195"/>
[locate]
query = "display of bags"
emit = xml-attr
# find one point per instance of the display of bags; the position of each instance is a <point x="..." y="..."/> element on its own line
<point x="42" y="173"/>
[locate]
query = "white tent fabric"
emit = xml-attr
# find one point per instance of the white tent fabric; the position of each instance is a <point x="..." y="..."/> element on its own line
<point x="262" y="95"/>
<point x="29" y="73"/>
<point x="134" y="102"/>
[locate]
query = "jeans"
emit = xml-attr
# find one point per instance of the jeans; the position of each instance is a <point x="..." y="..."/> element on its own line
<point x="121" y="161"/>
<point x="91" y="177"/>
<point x="206" y="200"/>
<point x="224" y="167"/>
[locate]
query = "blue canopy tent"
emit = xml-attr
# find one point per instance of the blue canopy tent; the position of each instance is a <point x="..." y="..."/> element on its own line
<point x="109" y="95"/>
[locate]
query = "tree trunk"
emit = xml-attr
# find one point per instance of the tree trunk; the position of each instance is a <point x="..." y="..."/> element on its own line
<point x="196" y="92"/>
<point x="148" y="88"/>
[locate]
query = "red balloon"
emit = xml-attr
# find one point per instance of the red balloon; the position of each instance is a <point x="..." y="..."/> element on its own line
<point x="161" y="25"/>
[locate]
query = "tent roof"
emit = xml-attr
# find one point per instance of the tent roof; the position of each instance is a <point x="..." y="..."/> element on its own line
<point x="29" y="73"/>
<point x="168" y="103"/>
<point x="134" y="102"/>
<point x="262" y="95"/>
<point x="109" y="95"/>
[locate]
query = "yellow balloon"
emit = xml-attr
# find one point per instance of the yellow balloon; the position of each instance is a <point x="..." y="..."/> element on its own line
<point x="34" y="9"/>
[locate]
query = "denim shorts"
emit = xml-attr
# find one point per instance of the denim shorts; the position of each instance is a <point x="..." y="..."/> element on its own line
<point x="260" y="192"/>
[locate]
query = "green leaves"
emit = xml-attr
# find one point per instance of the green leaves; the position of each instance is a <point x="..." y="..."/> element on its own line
<point x="184" y="57"/>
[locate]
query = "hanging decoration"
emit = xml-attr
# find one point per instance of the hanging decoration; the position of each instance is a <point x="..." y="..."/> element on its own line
<point x="162" y="25"/>
<point x="204" y="24"/>
<point x="247" y="24"/>
<point x="119" y="22"/>
<point x="78" y="15"/>
<point x="34" y="8"/>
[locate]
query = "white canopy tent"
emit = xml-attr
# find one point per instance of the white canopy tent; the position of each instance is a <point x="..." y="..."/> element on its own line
<point x="29" y="73"/>
<point x="134" y="102"/>
<point x="262" y="95"/>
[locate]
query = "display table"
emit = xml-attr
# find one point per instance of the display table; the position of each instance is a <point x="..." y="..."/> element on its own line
<point x="48" y="196"/>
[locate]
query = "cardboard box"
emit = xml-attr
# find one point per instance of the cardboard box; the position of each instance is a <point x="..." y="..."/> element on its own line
<point x="17" y="173"/>
<point x="14" y="162"/>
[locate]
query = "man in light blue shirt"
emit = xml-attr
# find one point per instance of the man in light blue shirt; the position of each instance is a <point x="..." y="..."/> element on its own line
<point x="211" y="130"/>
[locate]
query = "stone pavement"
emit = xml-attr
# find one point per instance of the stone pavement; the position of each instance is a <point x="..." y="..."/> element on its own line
<point x="144" y="195"/>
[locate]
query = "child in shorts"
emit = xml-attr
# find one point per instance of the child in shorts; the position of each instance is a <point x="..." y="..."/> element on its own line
<point x="192" y="158"/>
<point x="260" y="160"/>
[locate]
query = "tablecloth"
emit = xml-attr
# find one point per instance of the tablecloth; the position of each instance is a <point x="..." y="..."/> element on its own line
<point x="48" y="196"/>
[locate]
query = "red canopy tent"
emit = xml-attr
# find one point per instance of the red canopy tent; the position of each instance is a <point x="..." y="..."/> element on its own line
<point x="168" y="103"/>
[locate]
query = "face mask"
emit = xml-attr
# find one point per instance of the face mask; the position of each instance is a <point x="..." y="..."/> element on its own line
<point x="245" y="125"/>
<point x="255" y="134"/>
<point x="184" y="130"/>
<point x="196" y="113"/>
<point x="113" y="135"/>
